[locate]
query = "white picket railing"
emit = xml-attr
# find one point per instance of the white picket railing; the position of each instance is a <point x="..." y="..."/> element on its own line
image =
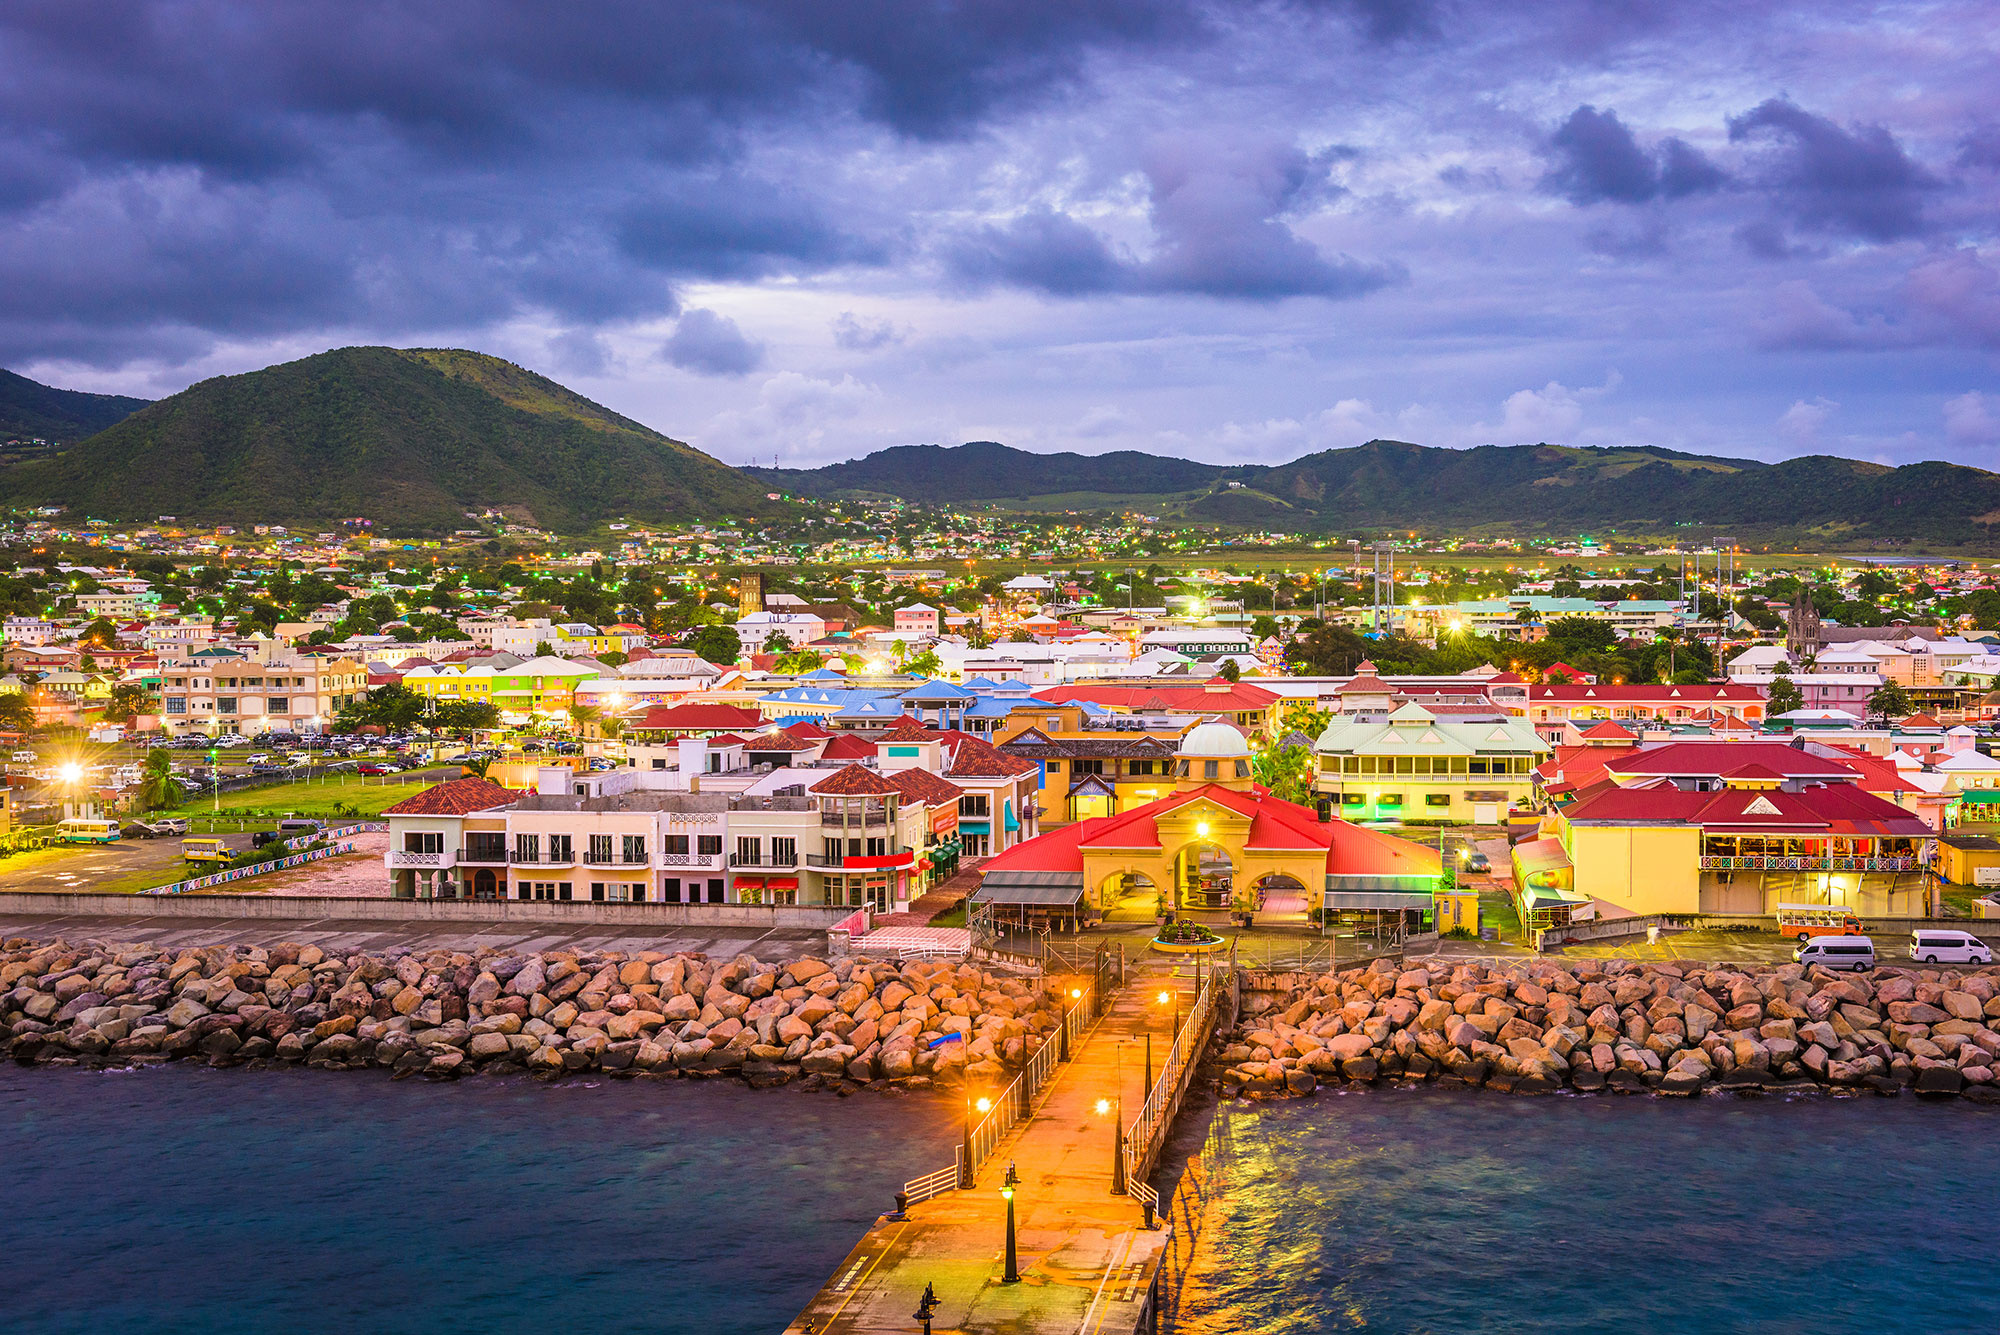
<point x="244" y="873"/>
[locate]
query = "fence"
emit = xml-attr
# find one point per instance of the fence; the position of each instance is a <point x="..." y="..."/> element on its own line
<point x="257" y="869"/>
<point x="1144" y="1136"/>
<point x="343" y="832"/>
<point x="981" y="1139"/>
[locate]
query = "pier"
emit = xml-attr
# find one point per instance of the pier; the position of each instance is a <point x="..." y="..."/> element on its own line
<point x="1090" y="1239"/>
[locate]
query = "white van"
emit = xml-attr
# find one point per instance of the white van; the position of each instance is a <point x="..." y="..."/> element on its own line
<point x="1837" y="952"/>
<point x="1934" y="946"/>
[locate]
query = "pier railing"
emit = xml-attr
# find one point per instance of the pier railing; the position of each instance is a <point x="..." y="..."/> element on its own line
<point x="1148" y="1130"/>
<point x="1013" y="1105"/>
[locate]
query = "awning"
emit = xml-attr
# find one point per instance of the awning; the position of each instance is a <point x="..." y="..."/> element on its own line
<point x="1376" y="899"/>
<point x="1980" y="797"/>
<point x="1286" y="902"/>
<point x="1400" y="885"/>
<point x="1052" y="888"/>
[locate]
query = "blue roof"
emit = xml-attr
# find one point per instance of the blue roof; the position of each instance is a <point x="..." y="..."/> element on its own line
<point x="936" y="689"/>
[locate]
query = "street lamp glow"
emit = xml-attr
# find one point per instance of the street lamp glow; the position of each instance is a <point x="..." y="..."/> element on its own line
<point x="1104" y="1107"/>
<point x="984" y="1105"/>
<point x="1166" y="998"/>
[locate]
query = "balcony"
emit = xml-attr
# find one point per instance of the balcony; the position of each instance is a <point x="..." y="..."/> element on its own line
<point x="552" y="860"/>
<point x="482" y="857"/>
<point x="871" y="815"/>
<point x="403" y="858"/>
<point x="769" y="860"/>
<point x="689" y="859"/>
<point x="897" y="861"/>
<point x="592" y="860"/>
<point x="1811" y="864"/>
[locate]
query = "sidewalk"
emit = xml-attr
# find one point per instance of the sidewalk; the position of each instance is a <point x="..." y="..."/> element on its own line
<point x="1086" y="1263"/>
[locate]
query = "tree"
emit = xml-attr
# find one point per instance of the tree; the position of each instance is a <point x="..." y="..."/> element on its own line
<point x="777" y="642"/>
<point x="924" y="664"/>
<point x="799" y="660"/>
<point x="158" y="788"/>
<point x="100" y="633"/>
<point x="1288" y="771"/>
<point x="1229" y="671"/>
<point x="1264" y="627"/>
<point x="720" y="645"/>
<point x="127" y="699"/>
<point x="1890" y="701"/>
<point x="16" y="714"/>
<point x="478" y="766"/>
<point x="394" y="707"/>
<point x="1784" y="695"/>
<point x="464" y="716"/>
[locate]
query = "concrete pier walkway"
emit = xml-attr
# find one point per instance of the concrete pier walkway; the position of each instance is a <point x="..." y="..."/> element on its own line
<point x="1087" y="1263"/>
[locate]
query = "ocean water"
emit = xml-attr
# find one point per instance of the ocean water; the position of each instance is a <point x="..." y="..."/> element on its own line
<point x="1456" y="1211"/>
<point x="181" y="1199"/>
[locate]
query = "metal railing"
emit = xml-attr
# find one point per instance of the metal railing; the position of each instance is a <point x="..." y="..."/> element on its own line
<point x="763" y="860"/>
<point x="1791" y="863"/>
<point x="689" y="859"/>
<point x="1283" y="956"/>
<point x="402" y="857"/>
<point x="486" y="856"/>
<point x="1147" y="1130"/>
<point x="1012" y="1105"/>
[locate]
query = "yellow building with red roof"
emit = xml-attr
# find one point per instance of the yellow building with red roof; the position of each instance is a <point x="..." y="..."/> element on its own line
<point x="1218" y="842"/>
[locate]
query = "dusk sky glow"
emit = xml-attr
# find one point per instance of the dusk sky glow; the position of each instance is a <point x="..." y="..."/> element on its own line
<point x="1231" y="232"/>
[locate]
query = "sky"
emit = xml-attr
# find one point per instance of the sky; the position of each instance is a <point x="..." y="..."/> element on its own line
<point x="797" y="231"/>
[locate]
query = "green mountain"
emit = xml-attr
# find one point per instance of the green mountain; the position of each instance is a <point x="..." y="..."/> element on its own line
<point x="411" y="438"/>
<point x="29" y="409"/>
<point x="1387" y="484"/>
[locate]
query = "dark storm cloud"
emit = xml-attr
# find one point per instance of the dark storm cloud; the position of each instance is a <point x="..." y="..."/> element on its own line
<point x="1856" y="181"/>
<point x="711" y="344"/>
<point x="1597" y="159"/>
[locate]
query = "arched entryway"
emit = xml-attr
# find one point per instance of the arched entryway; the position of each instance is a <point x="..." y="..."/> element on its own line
<point x="485" y="885"/>
<point x="1278" y="899"/>
<point x="1129" y="896"/>
<point x="1204" y="877"/>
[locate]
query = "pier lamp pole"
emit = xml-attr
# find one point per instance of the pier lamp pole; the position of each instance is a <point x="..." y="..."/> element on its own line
<point x="1007" y="1185"/>
<point x="927" y="1307"/>
<point x="965" y="1164"/>
<point x="1149" y="1062"/>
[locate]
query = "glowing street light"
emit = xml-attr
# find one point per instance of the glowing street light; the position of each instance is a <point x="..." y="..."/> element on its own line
<point x="1007" y="1185"/>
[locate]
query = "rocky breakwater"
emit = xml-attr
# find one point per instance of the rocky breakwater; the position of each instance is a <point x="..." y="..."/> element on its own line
<point x="1537" y="1026"/>
<point x="444" y="1013"/>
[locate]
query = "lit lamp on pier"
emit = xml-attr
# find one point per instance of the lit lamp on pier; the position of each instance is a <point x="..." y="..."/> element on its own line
<point x="1007" y="1185"/>
<point x="982" y="1105"/>
<point x="927" y="1307"/>
<point x="1115" y="1111"/>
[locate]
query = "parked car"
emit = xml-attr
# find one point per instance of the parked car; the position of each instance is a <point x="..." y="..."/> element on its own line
<point x="138" y="829"/>
<point x="170" y="825"/>
<point x="1837" y="952"/>
<point x="1933" y="945"/>
<point x="374" y="767"/>
<point x="1478" y="861"/>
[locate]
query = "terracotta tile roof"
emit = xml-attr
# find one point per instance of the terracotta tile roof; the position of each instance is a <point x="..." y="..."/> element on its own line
<point x="910" y="732"/>
<point x="777" y="741"/>
<point x="807" y="730"/>
<point x="973" y="758"/>
<point x="454" y="797"/>
<point x="920" y="785"/>
<point x="854" y="781"/>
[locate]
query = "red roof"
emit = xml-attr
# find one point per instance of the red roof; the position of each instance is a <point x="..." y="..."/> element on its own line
<point x="1835" y="808"/>
<point x="1715" y="759"/>
<point x="1216" y="694"/>
<point x="807" y="730"/>
<point x="975" y="758"/>
<point x="854" y="781"/>
<point x="1648" y="692"/>
<point x="920" y="785"/>
<point x="454" y="797"/>
<point x="1275" y="825"/>
<point x="849" y="746"/>
<point x="1608" y="730"/>
<point x="697" y="717"/>
<point x="777" y="741"/>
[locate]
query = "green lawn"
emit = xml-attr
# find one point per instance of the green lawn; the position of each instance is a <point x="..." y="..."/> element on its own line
<point x="335" y="797"/>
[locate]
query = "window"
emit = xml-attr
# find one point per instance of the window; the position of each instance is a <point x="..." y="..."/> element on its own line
<point x="974" y="806"/>
<point x="1389" y="800"/>
<point x="1350" y="799"/>
<point x="423" y="842"/>
<point x="1211" y="769"/>
<point x="226" y="704"/>
<point x="1140" y="767"/>
<point x="784" y="853"/>
<point x="527" y="848"/>
<point x="660" y="762"/>
<point x="1087" y="767"/>
<point x="597" y="890"/>
<point x="715" y="886"/>
<point x="1055" y="768"/>
<point x="280" y="705"/>
<point x="750" y="852"/>
<point x="709" y="845"/>
<point x="832" y="850"/>
<point x="878" y="848"/>
<point x="561" y="848"/>
<point x="635" y="848"/>
<point x="176" y="705"/>
<point x="1437" y="799"/>
<point x="670" y="889"/>
<point x="676" y="845"/>
<point x="600" y="850"/>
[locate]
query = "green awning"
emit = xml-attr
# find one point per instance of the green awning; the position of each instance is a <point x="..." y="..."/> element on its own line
<point x="1377" y="899"/>
<point x="1980" y="797"/>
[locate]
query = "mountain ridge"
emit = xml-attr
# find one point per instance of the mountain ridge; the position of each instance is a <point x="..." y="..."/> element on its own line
<point x="1384" y="484"/>
<point x="29" y="408"/>
<point x="411" y="438"/>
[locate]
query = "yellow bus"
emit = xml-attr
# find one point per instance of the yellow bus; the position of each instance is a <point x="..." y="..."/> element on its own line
<point x="204" y="850"/>
<point x="87" y="832"/>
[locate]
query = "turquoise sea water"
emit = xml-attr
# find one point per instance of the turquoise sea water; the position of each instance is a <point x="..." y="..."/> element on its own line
<point x="181" y="1199"/>
<point x="1441" y="1211"/>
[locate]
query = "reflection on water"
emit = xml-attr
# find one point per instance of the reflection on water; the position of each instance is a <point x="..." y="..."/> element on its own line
<point x="1438" y="1211"/>
<point x="182" y="1199"/>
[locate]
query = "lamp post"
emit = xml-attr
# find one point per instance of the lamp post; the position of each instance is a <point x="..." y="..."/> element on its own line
<point x="927" y="1307"/>
<point x="1106" y="1108"/>
<point x="965" y="1164"/>
<point x="1007" y="1185"/>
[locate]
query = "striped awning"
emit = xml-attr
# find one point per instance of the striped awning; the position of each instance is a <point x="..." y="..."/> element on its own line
<point x="1051" y="888"/>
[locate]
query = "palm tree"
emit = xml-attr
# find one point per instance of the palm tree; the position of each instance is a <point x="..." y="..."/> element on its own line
<point x="478" y="766"/>
<point x="158" y="788"/>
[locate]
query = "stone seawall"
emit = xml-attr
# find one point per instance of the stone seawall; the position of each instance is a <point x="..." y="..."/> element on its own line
<point x="1536" y="1026"/>
<point x="447" y="1013"/>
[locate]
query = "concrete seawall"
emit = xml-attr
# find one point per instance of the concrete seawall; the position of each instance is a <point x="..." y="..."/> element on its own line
<point x="733" y="917"/>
